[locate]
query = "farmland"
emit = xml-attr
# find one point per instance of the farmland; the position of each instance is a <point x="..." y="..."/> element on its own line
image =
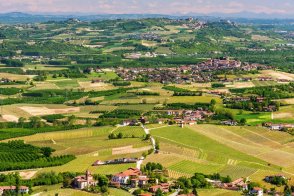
<point x="173" y="97"/>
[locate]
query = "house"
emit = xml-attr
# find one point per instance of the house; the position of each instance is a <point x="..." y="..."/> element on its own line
<point x="164" y="187"/>
<point x="98" y="162"/>
<point x="141" y="181"/>
<point x="236" y="185"/>
<point x="123" y="178"/>
<point x="256" y="191"/>
<point x="129" y="122"/>
<point x="84" y="181"/>
<point x="229" y="123"/>
<point x="278" y="127"/>
<point x="22" y="189"/>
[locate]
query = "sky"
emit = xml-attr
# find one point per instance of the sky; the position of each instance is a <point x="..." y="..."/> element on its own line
<point x="147" y="6"/>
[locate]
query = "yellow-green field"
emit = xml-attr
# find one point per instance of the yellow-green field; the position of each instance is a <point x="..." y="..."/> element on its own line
<point x="234" y="151"/>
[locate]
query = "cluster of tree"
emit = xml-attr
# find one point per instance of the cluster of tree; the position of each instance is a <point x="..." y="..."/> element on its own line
<point x="121" y="83"/>
<point x="218" y="85"/>
<point x="112" y="136"/>
<point x="223" y="114"/>
<point x="178" y="106"/>
<point x="271" y="92"/>
<point x="124" y="114"/>
<point x="253" y="105"/>
<point x="10" y="91"/>
<point x="150" y="166"/>
<point x="198" y="180"/>
<point x="278" y="180"/>
<point x="147" y="93"/>
<point x="59" y="62"/>
<point x="12" y="63"/>
<point x="175" y="89"/>
<point x="53" y="117"/>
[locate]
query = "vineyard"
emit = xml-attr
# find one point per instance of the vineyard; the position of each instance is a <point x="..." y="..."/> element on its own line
<point x="16" y="155"/>
<point x="190" y="167"/>
<point x="128" y="131"/>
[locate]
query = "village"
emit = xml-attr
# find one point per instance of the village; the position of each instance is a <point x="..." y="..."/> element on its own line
<point x="202" y="72"/>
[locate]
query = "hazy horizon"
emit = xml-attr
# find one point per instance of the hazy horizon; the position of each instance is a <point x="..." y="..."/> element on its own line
<point x="169" y="7"/>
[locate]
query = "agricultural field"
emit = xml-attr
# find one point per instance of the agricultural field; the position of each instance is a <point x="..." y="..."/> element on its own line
<point x="234" y="151"/>
<point x="157" y="90"/>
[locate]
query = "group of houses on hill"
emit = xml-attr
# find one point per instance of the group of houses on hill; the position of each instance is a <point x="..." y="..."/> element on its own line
<point x="180" y="117"/>
<point x="201" y="72"/>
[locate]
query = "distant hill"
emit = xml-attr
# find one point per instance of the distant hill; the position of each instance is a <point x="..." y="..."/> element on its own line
<point x="19" y="17"/>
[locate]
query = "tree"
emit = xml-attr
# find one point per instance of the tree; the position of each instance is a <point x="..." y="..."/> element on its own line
<point x="195" y="192"/>
<point x="120" y="135"/>
<point x="159" y="192"/>
<point x="213" y="102"/>
<point x="243" y="121"/>
<point x="21" y="121"/>
<point x="36" y="122"/>
<point x="287" y="190"/>
<point x="46" y="151"/>
<point x="17" y="182"/>
<point x="157" y="145"/>
<point x="147" y="137"/>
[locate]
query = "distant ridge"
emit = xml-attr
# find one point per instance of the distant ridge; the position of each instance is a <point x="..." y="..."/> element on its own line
<point x="19" y="17"/>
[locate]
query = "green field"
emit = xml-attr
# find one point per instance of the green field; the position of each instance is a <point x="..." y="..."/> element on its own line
<point x="227" y="150"/>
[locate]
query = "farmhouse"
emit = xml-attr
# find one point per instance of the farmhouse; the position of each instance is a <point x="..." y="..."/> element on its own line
<point x="140" y="181"/>
<point x="278" y="127"/>
<point x="257" y="191"/>
<point x="238" y="184"/>
<point x="164" y="187"/>
<point x="22" y="189"/>
<point x="230" y="123"/>
<point x="122" y="178"/>
<point x="84" y="181"/>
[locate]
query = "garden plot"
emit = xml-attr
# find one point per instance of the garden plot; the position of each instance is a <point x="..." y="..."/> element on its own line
<point x="39" y="111"/>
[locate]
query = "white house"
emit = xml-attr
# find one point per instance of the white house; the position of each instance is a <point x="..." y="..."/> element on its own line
<point x="257" y="191"/>
<point x="22" y="189"/>
<point x="124" y="177"/>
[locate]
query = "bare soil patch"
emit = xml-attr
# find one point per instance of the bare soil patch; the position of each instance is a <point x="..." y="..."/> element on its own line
<point x="39" y="111"/>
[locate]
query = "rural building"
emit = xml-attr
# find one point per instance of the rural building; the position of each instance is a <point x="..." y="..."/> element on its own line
<point x="140" y="181"/>
<point x="84" y="181"/>
<point x="164" y="187"/>
<point x="257" y="191"/>
<point x="22" y="189"/>
<point x="122" y="178"/>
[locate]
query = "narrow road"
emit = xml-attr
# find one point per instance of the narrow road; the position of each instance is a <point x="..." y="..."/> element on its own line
<point x="147" y="131"/>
